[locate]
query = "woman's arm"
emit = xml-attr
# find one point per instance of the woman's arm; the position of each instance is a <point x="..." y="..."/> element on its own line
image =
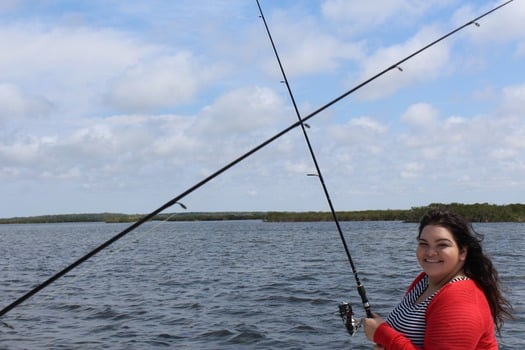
<point x="457" y="317"/>
<point x="391" y="339"/>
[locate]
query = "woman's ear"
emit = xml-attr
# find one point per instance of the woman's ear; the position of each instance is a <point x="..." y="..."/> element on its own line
<point x="463" y="254"/>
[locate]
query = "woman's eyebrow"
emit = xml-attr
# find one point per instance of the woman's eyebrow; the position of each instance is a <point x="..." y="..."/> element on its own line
<point x="437" y="240"/>
<point x="443" y="239"/>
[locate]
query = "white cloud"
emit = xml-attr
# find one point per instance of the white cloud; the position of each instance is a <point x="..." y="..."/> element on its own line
<point x="357" y="138"/>
<point x="420" y="115"/>
<point x="23" y="150"/>
<point x="505" y="26"/>
<point x="67" y="67"/>
<point x="129" y="144"/>
<point x="9" y="173"/>
<point x="14" y="104"/>
<point x="71" y="174"/>
<point x="412" y="170"/>
<point x="357" y="129"/>
<point x="176" y="141"/>
<point x="362" y="16"/>
<point x="80" y="68"/>
<point x="164" y="81"/>
<point x="44" y="54"/>
<point x="305" y="47"/>
<point x="503" y="153"/>
<point x="368" y="12"/>
<point x="241" y="110"/>
<point x="421" y="68"/>
<point x="473" y="151"/>
<point x="514" y="99"/>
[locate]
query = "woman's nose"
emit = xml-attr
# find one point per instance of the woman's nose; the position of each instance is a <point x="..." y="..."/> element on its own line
<point x="430" y="251"/>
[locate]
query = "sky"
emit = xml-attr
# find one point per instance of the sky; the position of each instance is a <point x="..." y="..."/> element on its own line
<point x="120" y="106"/>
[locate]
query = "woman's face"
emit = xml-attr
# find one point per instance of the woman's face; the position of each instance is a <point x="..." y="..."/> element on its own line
<point x="438" y="254"/>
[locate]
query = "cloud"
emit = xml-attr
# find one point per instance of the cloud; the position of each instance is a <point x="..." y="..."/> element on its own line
<point x="362" y="16"/>
<point x="93" y="149"/>
<point x="165" y="81"/>
<point x="412" y="170"/>
<point x="68" y="67"/>
<point x="421" y="68"/>
<point x="506" y="26"/>
<point x="81" y="68"/>
<point x="301" y="167"/>
<point x="514" y="99"/>
<point x="421" y="115"/>
<point x="306" y="47"/>
<point x="453" y="146"/>
<point x="358" y="137"/>
<point x="9" y="173"/>
<point x="241" y="110"/>
<point x="24" y="150"/>
<point x="14" y="104"/>
<point x="359" y="125"/>
<point x="42" y="53"/>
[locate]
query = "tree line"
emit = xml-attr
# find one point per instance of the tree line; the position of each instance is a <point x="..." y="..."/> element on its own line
<point x="479" y="212"/>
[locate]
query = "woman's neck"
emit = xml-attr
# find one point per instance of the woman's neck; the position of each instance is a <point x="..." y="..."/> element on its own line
<point x="436" y="284"/>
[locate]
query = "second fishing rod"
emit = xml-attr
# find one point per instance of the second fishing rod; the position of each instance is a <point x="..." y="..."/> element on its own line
<point x="346" y="312"/>
<point x="345" y="309"/>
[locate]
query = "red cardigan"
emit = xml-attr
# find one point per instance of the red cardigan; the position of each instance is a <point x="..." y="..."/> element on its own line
<point x="458" y="317"/>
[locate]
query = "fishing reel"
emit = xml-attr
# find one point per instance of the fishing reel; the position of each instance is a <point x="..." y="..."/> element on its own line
<point x="347" y="314"/>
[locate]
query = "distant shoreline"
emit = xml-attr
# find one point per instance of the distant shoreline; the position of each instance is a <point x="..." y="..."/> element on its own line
<point x="479" y="212"/>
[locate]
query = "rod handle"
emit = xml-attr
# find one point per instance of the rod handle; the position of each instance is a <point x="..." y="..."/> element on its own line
<point x="362" y="293"/>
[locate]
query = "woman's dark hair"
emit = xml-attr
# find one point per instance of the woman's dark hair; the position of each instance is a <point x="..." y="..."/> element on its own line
<point x="478" y="266"/>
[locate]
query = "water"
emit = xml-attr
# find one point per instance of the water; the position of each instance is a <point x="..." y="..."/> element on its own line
<point x="218" y="285"/>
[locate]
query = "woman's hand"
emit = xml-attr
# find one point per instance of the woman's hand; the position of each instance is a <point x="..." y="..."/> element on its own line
<point x="370" y="326"/>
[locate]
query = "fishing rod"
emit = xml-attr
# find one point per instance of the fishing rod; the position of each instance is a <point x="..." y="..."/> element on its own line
<point x="346" y="311"/>
<point x="176" y="200"/>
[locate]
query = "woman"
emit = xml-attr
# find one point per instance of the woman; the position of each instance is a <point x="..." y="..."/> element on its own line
<point x="455" y="303"/>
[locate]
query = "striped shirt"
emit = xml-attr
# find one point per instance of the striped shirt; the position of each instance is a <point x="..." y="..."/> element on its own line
<point x="408" y="318"/>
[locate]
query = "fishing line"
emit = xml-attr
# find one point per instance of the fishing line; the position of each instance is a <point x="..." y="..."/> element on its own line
<point x="199" y="184"/>
<point x="360" y="287"/>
